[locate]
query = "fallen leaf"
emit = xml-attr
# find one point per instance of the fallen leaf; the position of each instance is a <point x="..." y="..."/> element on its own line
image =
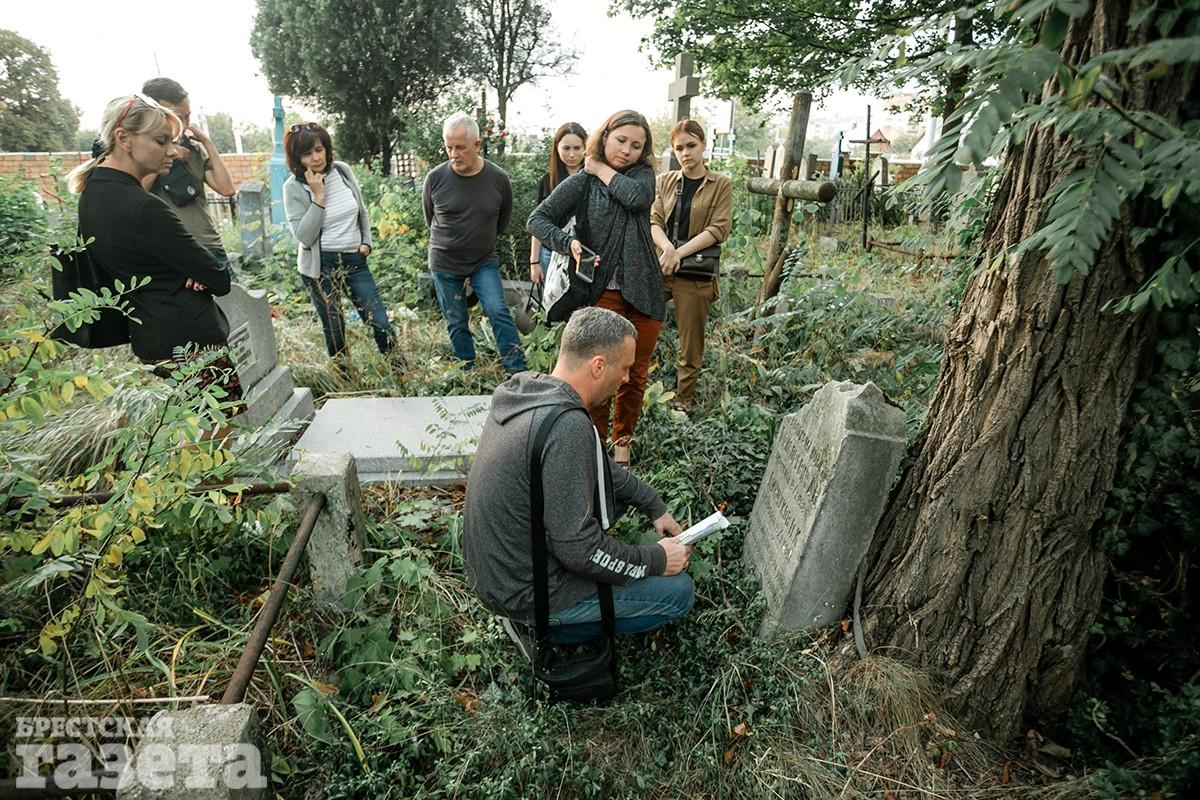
<point x="469" y="701"/>
<point x="1005" y="777"/>
<point x="327" y="689"/>
<point x="309" y="649"/>
<point x="378" y="701"/>
<point x="729" y="754"/>
<point x="845" y="626"/>
<point x="741" y="729"/>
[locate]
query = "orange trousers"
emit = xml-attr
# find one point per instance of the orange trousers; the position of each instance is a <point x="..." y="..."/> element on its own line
<point x="629" y="396"/>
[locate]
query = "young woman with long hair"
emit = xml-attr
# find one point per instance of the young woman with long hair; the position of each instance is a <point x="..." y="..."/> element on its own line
<point x="616" y="189"/>
<point x="567" y="149"/>
<point x="693" y="210"/>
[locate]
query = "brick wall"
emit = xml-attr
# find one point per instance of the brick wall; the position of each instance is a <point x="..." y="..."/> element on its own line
<point x="44" y="167"/>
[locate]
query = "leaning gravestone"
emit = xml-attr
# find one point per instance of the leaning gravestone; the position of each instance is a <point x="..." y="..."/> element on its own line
<point x="270" y="394"/>
<point x="827" y="480"/>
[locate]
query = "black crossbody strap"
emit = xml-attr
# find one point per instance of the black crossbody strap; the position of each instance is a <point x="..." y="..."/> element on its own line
<point x="678" y="209"/>
<point x="537" y="530"/>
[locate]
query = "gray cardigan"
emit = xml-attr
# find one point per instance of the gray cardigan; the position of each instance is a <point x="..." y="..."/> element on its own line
<point x="305" y="219"/>
<point x="617" y="227"/>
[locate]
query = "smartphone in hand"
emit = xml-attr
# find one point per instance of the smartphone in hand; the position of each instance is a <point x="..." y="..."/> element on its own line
<point x="586" y="266"/>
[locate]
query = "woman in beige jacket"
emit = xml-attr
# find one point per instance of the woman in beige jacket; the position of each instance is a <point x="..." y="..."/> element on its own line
<point x="701" y="216"/>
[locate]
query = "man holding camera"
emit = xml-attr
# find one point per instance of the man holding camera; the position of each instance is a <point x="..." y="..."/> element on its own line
<point x="584" y="491"/>
<point x="183" y="187"/>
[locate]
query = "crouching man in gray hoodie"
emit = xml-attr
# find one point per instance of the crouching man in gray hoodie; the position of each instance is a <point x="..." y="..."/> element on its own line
<point x="650" y="587"/>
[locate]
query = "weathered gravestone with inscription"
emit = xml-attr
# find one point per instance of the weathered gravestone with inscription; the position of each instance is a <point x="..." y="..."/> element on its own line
<point x="271" y="396"/>
<point x="825" y="487"/>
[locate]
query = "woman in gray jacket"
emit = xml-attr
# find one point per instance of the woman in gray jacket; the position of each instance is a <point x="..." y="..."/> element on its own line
<point x="325" y="213"/>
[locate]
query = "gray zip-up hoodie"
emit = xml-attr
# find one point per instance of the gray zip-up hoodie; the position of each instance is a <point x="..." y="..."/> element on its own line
<point x="496" y="538"/>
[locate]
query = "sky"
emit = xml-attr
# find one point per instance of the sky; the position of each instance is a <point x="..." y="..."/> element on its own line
<point x="221" y="74"/>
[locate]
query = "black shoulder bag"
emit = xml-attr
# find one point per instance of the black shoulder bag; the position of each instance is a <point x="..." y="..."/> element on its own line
<point x="79" y="271"/>
<point x="701" y="266"/>
<point x="178" y="184"/>
<point x="562" y="291"/>
<point x="586" y="673"/>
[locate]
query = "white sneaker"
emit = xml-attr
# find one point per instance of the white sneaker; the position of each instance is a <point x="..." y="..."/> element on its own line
<point x="521" y="635"/>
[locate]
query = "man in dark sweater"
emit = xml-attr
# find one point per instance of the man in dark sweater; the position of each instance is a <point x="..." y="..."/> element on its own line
<point x="582" y="488"/>
<point x="468" y="202"/>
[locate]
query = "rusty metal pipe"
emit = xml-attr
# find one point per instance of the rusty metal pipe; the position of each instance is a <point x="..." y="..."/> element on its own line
<point x="236" y="690"/>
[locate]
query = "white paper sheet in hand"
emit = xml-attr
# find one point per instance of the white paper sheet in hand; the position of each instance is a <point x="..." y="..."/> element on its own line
<point x="704" y="528"/>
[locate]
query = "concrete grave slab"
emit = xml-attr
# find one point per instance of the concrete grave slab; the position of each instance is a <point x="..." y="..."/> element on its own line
<point x="827" y="479"/>
<point x="412" y="441"/>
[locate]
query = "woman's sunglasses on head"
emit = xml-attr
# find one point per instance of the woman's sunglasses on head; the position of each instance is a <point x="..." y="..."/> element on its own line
<point x="147" y="101"/>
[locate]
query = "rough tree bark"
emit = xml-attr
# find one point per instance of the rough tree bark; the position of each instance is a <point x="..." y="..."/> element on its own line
<point x="983" y="568"/>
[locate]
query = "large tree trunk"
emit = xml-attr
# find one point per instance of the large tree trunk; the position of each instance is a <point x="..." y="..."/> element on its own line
<point x="983" y="568"/>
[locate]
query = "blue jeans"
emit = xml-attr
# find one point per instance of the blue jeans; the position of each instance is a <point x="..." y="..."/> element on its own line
<point x="223" y="259"/>
<point x="641" y="606"/>
<point x="348" y="271"/>
<point x="485" y="280"/>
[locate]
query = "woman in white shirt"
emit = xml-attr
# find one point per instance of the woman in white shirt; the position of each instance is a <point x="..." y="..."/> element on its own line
<point x="325" y="213"/>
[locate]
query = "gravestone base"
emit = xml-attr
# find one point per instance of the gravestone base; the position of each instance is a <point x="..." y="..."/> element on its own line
<point x="271" y="398"/>
<point x="210" y="752"/>
<point x="288" y="424"/>
<point x="410" y="441"/>
<point x="268" y="396"/>
<point x="824" y="490"/>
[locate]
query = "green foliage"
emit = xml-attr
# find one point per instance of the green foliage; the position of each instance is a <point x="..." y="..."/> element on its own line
<point x="1117" y="157"/>
<point x="67" y="566"/>
<point x="34" y="117"/>
<point x="524" y="172"/>
<point x="758" y="51"/>
<point x="20" y="217"/>
<point x="255" y="138"/>
<point x="361" y="61"/>
<point x="420" y="130"/>
<point x="1141" y="690"/>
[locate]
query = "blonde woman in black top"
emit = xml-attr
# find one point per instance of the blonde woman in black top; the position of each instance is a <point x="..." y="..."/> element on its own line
<point x="137" y="235"/>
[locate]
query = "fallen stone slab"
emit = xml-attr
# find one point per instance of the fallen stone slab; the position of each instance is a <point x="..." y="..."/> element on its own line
<point x="410" y="441"/>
